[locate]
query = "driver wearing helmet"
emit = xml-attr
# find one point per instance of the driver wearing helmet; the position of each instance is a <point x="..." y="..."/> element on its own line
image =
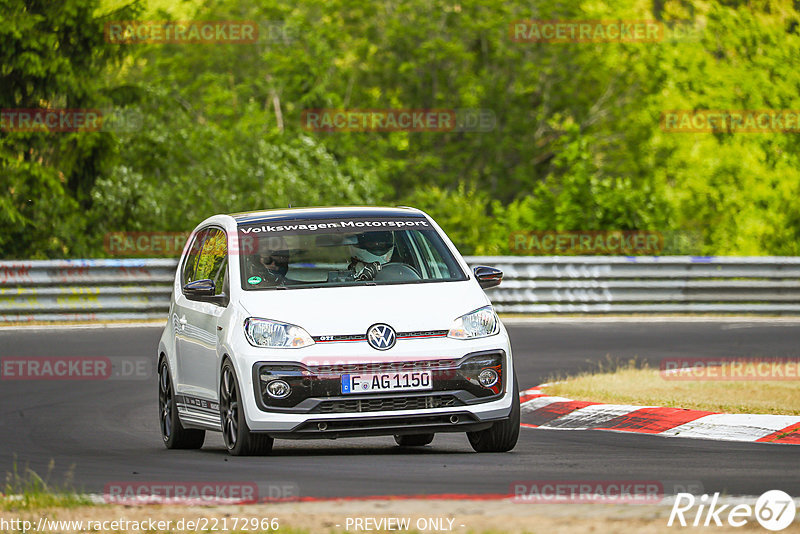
<point x="271" y="261"/>
<point x="370" y="253"/>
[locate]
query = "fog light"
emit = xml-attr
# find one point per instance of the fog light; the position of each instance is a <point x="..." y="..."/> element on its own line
<point x="278" y="389"/>
<point x="488" y="378"/>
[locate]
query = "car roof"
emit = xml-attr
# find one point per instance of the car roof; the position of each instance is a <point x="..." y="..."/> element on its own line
<point x="294" y="214"/>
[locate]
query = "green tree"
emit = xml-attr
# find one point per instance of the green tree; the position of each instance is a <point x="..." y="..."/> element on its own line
<point x="52" y="56"/>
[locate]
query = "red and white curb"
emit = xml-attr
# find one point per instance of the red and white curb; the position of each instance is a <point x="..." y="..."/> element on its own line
<point x="540" y="410"/>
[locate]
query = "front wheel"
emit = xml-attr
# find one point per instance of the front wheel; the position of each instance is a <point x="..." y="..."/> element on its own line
<point x="172" y="431"/>
<point x="237" y="436"/>
<point x="501" y="436"/>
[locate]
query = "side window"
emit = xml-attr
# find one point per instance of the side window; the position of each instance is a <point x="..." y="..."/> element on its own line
<point x="221" y="278"/>
<point x="192" y="256"/>
<point x="212" y="263"/>
<point x="438" y="263"/>
<point x="435" y="262"/>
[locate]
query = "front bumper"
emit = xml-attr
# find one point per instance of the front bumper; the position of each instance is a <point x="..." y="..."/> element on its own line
<point x="318" y="388"/>
<point x="323" y="428"/>
<point x="322" y="411"/>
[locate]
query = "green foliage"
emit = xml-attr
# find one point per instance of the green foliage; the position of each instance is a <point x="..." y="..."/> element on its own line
<point x="462" y="214"/>
<point x="577" y="143"/>
<point x="180" y="169"/>
<point x="52" y="56"/>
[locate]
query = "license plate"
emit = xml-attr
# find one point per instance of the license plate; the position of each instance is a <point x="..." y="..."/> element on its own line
<point x="371" y="383"/>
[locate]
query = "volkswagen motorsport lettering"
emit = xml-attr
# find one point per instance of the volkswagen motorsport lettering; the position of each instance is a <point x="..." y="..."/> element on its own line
<point x="334" y="225"/>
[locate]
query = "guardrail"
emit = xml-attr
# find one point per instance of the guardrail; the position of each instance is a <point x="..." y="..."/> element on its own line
<point x="130" y="289"/>
<point x="646" y="284"/>
<point x="85" y="290"/>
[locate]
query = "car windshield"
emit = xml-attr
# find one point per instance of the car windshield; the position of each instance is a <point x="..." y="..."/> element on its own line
<point x="342" y="252"/>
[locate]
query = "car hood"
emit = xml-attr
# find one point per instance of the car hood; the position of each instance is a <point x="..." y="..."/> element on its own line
<point x="352" y="310"/>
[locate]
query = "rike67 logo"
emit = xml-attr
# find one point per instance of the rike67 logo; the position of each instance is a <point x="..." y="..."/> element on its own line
<point x="774" y="510"/>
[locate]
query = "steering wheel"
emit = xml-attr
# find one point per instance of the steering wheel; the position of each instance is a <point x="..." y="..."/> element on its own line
<point x="397" y="272"/>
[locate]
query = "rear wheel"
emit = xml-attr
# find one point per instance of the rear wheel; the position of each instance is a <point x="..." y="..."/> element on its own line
<point x="413" y="440"/>
<point x="501" y="436"/>
<point x="237" y="436"/>
<point x="172" y="431"/>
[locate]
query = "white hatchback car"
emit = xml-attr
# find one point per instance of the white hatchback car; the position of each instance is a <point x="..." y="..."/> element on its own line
<point x="331" y="323"/>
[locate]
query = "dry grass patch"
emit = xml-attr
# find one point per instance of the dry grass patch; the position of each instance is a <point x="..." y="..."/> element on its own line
<point x="640" y="385"/>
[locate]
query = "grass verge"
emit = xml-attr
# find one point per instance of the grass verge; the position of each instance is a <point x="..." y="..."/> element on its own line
<point x="25" y="490"/>
<point x="635" y="383"/>
<point x="491" y="517"/>
<point x="31" y="499"/>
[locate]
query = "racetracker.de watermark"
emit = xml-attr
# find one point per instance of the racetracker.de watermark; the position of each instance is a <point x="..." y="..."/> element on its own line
<point x="599" y="491"/>
<point x="586" y="242"/>
<point x="586" y="31"/>
<point x="198" y="493"/>
<point x="161" y="244"/>
<point x="76" y="368"/>
<point x="601" y="31"/>
<point x="52" y="120"/>
<point x="181" y="32"/>
<point x="730" y="369"/>
<point x="731" y="121"/>
<point x="171" y="244"/>
<point x="399" y="120"/>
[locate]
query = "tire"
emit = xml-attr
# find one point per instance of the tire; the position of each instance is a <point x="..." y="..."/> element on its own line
<point x="501" y="436"/>
<point x="413" y="440"/>
<point x="237" y="436"/>
<point x="172" y="431"/>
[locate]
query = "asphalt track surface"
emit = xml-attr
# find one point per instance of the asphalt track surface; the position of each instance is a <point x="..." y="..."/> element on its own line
<point x="107" y="431"/>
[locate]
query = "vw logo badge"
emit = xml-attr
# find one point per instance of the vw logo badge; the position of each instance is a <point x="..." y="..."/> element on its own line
<point x="381" y="336"/>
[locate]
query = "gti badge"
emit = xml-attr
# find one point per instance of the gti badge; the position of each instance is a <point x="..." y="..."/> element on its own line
<point x="381" y="336"/>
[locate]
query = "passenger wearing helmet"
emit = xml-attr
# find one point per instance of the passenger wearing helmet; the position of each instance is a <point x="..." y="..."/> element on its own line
<point x="271" y="262"/>
<point x="370" y="253"/>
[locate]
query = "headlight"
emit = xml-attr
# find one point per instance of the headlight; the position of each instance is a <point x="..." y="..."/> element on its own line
<point x="275" y="335"/>
<point x="480" y="323"/>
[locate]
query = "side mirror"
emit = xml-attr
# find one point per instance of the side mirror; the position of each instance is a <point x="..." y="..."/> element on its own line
<point x="488" y="276"/>
<point x="204" y="291"/>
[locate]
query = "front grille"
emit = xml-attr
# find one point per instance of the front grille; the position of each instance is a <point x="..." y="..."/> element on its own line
<point x="382" y="367"/>
<point x="390" y="404"/>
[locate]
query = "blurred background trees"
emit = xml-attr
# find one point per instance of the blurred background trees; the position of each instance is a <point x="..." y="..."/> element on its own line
<point x="577" y="143"/>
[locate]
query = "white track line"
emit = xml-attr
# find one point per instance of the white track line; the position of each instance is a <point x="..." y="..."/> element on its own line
<point x="733" y="427"/>
<point x="82" y="326"/>
<point x="789" y="321"/>
<point x="591" y="416"/>
<point x="541" y="402"/>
